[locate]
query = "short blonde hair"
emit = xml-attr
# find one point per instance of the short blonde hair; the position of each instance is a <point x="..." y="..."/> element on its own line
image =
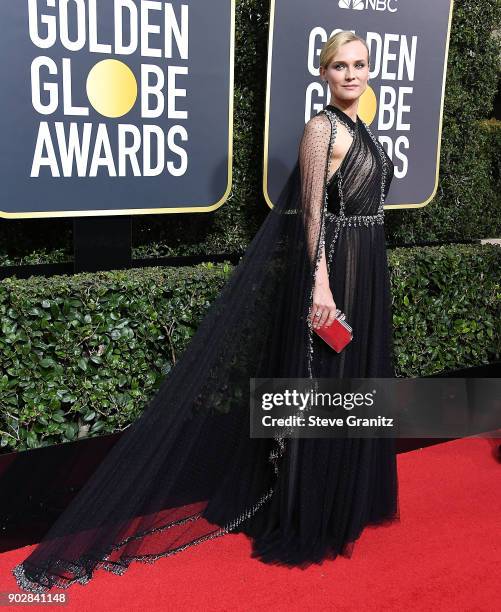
<point x="332" y="46"/>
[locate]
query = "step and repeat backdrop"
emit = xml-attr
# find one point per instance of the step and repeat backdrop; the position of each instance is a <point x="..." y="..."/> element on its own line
<point x="115" y="106"/>
<point x="112" y="107"/>
<point x="403" y="103"/>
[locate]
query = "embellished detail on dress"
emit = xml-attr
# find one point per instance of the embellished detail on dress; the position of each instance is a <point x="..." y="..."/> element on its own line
<point x="357" y="220"/>
<point x="83" y="575"/>
<point x="343" y="220"/>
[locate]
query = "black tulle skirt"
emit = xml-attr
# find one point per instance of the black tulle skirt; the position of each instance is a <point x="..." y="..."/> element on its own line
<point x="328" y="490"/>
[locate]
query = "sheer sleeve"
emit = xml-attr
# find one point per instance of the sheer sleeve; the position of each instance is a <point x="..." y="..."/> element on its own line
<point x="313" y="162"/>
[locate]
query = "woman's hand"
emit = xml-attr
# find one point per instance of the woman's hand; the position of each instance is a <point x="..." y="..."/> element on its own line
<point x="323" y="305"/>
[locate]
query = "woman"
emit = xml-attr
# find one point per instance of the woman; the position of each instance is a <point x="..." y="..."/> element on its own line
<point x="187" y="470"/>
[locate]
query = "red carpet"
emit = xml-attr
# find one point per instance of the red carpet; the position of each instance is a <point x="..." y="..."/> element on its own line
<point x="443" y="555"/>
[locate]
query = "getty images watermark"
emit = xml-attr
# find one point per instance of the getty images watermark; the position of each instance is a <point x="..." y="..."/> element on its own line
<point x="374" y="407"/>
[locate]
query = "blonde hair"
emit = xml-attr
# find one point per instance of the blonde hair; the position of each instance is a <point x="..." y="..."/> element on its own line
<point x="332" y="46"/>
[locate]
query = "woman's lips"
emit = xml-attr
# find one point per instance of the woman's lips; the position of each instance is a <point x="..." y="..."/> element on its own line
<point x="350" y="86"/>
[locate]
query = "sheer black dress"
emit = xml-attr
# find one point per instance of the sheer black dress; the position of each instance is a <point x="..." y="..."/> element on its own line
<point x="187" y="470"/>
<point x="329" y="489"/>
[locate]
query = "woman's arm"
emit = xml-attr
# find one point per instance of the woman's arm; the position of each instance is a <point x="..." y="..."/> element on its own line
<point x="313" y="151"/>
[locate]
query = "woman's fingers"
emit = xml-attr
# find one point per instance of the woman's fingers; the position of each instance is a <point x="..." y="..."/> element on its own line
<point x="315" y="312"/>
<point x="327" y="315"/>
<point x="323" y="318"/>
<point x="331" y="317"/>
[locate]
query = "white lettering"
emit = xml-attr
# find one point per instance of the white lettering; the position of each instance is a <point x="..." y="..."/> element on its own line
<point x="72" y="45"/>
<point x="73" y="150"/>
<point x="402" y="142"/>
<point x="153" y="90"/>
<point x="150" y="132"/>
<point x="48" y="20"/>
<point x="129" y="151"/>
<point x="172" y="27"/>
<point x="44" y="139"/>
<point x="102" y="142"/>
<point x="148" y="28"/>
<point x="83" y="150"/>
<point x="143" y="25"/>
<point x="173" y="92"/>
<point x="69" y="109"/>
<point x="94" y="45"/>
<point x="129" y="5"/>
<point x="388" y="57"/>
<point x="177" y="129"/>
<point x="51" y="88"/>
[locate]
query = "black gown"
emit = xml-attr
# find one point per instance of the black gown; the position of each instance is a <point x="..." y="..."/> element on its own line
<point x="187" y="470"/>
<point x="329" y="489"/>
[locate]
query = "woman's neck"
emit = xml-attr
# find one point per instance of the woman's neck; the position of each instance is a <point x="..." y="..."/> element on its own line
<point x="350" y="109"/>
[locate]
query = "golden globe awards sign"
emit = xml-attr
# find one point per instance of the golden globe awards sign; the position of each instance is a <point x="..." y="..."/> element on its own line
<point x="115" y="106"/>
<point x="403" y="104"/>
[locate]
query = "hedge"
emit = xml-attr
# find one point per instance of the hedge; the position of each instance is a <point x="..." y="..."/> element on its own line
<point x="81" y="355"/>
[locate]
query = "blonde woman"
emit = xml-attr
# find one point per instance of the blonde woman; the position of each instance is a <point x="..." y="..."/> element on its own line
<point x="188" y="470"/>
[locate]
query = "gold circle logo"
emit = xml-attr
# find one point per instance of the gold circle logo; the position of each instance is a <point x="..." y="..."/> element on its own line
<point x="111" y="88"/>
<point x="367" y="105"/>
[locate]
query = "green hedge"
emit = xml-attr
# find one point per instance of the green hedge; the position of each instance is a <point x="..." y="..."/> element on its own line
<point x="466" y="205"/>
<point x="81" y="355"/>
<point x="446" y="306"/>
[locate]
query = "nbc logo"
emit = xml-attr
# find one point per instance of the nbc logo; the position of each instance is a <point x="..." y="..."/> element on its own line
<point x="375" y="5"/>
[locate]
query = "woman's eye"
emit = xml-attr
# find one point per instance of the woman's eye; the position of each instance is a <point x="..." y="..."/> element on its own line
<point x="361" y="64"/>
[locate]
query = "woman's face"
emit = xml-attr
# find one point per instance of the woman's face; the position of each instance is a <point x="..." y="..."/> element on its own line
<point x="348" y="71"/>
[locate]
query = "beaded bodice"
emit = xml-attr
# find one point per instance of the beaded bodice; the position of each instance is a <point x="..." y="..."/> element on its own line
<point x="358" y="188"/>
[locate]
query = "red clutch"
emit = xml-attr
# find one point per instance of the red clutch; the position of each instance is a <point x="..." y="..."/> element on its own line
<point x="337" y="335"/>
